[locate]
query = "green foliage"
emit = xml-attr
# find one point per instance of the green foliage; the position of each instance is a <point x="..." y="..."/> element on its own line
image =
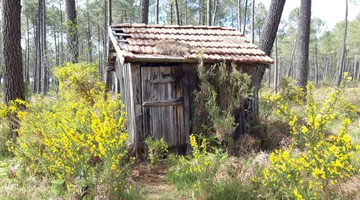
<point x="158" y="149"/>
<point x="78" y="136"/>
<point x="4" y="137"/>
<point x="222" y="93"/>
<point x="196" y="171"/>
<point x="314" y="161"/>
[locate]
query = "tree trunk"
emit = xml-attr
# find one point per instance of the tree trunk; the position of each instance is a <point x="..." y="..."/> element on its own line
<point x="89" y="40"/>
<point x="171" y="14"/>
<point x="276" y="68"/>
<point x="11" y="44"/>
<point x="186" y="11"/>
<point x="157" y="12"/>
<point x="73" y="43"/>
<point x="27" y="76"/>
<point x="144" y="16"/>
<point x="343" y="49"/>
<point x="177" y="12"/>
<point x="61" y="34"/>
<point x="245" y="14"/>
<point x="109" y="9"/>
<point x="208" y="12"/>
<point x="316" y="61"/>
<point x="239" y="15"/>
<point x="269" y="30"/>
<point x="216" y="2"/>
<point x="303" y="33"/>
<point x="290" y="71"/>
<point x="253" y="22"/>
<point x="44" y="66"/>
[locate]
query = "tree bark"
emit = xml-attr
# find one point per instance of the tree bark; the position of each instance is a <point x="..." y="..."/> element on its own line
<point x="44" y="67"/>
<point x="216" y="2"/>
<point x="157" y="12"/>
<point x="269" y="30"/>
<point x="11" y="43"/>
<point x="208" y="13"/>
<point x="144" y="16"/>
<point x="253" y="22"/>
<point x="239" y="15"/>
<point x="73" y="42"/>
<point x="245" y="14"/>
<point x="61" y="34"/>
<point x="89" y="40"/>
<point x="343" y="49"/>
<point x="316" y="60"/>
<point x="109" y="9"/>
<point x="303" y="33"/>
<point x="177" y="12"/>
<point x="276" y="68"/>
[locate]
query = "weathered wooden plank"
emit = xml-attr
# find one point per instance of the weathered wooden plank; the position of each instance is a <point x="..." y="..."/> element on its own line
<point x="136" y="97"/>
<point x="121" y="34"/>
<point x="174" y="74"/>
<point x="166" y="120"/>
<point x="162" y="103"/>
<point x="180" y="136"/>
<point x="114" y="41"/>
<point x="187" y="111"/>
<point x="145" y="97"/>
<point x="161" y="80"/>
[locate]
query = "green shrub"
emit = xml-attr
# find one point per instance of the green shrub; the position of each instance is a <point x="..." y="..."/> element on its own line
<point x="158" y="149"/>
<point x="213" y="112"/>
<point x="195" y="171"/>
<point x="77" y="136"/>
<point x="314" y="162"/>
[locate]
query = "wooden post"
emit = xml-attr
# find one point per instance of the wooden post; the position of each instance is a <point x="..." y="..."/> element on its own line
<point x="136" y="101"/>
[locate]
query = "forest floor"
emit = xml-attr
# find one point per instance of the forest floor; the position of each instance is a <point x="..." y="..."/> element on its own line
<point x="151" y="179"/>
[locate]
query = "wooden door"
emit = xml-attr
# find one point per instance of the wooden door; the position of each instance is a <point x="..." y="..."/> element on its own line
<point x="162" y="102"/>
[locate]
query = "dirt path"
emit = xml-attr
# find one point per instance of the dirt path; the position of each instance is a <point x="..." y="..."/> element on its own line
<point x="152" y="181"/>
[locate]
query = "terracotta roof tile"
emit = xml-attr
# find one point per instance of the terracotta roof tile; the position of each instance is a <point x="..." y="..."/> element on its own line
<point x="216" y="43"/>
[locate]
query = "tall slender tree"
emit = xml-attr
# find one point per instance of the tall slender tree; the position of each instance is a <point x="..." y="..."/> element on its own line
<point x="303" y="34"/>
<point x="11" y="44"/>
<point x="73" y="43"/>
<point x="178" y="17"/>
<point x="253" y="22"/>
<point x="343" y="49"/>
<point x="208" y="13"/>
<point x="239" y="15"/>
<point x="157" y="12"/>
<point x="245" y="15"/>
<point x="270" y="29"/>
<point x="144" y="12"/>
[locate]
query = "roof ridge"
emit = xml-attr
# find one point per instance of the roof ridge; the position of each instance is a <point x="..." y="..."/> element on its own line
<point x="142" y="25"/>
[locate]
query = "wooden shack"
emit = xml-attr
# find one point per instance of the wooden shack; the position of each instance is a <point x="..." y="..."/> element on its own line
<point x="153" y="68"/>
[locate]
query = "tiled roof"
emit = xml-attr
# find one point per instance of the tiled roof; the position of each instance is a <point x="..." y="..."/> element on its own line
<point x="183" y="43"/>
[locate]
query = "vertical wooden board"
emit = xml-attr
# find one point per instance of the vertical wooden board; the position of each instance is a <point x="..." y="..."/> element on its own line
<point x="136" y="108"/>
<point x="187" y="112"/>
<point x="145" y="97"/>
<point x="126" y="72"/>
<point x="166" y="118"/>
<point x="155" y="96"/>
<point x="179" y="119"/>
<point x="150" y="93"/>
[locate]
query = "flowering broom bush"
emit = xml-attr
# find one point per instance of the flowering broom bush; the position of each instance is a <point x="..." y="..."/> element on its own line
<point x="197" y="170"/>
<point x="314" y="161"/>
<point x="78" y="135"/>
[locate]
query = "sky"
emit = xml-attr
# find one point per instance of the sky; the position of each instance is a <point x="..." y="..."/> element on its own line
<point x="331" y="11"/>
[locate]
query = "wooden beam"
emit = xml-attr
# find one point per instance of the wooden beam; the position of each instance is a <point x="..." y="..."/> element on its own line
<point x="114" y="42"/>
<point x="161" y="81"/>
<point x="121" y="34"/>
<point x="172" y="102"/>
